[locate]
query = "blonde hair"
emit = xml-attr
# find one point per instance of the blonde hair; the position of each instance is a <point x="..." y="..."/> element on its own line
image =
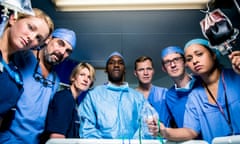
<point x="81" y="66"/>
<point x="39" y="14"/>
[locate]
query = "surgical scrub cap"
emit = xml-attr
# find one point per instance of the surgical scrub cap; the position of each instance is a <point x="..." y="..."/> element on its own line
<point x="114" y="54"/>
<point x="197" y="41"/>
<point x="170" y="50"/>
<point x="65" y="34"/>
<point x="205" y="43"/>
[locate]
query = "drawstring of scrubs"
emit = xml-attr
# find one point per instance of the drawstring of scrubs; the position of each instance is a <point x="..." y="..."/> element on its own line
<point x="120" y="118"/>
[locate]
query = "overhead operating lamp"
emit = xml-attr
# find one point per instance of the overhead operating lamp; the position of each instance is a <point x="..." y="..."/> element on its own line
<point x="13" y="6"/>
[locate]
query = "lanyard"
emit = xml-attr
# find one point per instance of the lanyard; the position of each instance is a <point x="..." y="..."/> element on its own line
<point x="227" y="118"/>
<point x="14" y="75"/>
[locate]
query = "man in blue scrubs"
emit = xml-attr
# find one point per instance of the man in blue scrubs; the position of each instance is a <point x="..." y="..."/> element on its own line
<point x="112" y="110"/>
<point x="156" y="95"/>
<point x="173" y="63"/>
<point x="40" y="84"/>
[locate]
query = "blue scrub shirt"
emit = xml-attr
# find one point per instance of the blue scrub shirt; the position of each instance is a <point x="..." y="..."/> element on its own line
<point x="110" y="112"/>
<point x="157" y="98"/>
<point x="206" y="118"/>
<point x="32" y="106"/>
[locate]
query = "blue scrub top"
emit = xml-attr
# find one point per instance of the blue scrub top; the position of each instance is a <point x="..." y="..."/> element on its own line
<point x="110" y="112"/>
<point x="10" y="91"/>
<point x="157" y="98"/>
<point x="62" y="116"/>
<point x="206" y="118"/>
<point x="176" y="101"/>
<point x="31" y="109"/>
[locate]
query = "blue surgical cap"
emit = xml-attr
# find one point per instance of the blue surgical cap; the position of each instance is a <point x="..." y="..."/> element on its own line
<point x="114" y="54"/>
<point x="197" y="41"/>
<point x="205" y="43"/>
<point x="171" y="49"/>
<point x="65" y="34"/>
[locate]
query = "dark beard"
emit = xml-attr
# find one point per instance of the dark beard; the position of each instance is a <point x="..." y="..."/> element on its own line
<point x="49" y="61"/>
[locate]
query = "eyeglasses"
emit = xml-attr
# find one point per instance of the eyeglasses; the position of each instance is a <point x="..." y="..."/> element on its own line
<point x="39" y="78"/>
<point x="176" y="60"/>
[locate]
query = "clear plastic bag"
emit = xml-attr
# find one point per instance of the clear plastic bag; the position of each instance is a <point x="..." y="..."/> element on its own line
<point x="148" y="113"/>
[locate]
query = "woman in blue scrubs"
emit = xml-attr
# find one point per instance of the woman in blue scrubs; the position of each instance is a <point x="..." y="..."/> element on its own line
<point x="62" y="117"/>
<point x="213" y="107"/>
<point x="21" y="33"/>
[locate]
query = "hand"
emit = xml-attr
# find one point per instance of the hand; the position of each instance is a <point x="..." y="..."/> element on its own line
<point x="235" y="60"/>
<point x="153" y="126"/>
<point x="162" y="130"/>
